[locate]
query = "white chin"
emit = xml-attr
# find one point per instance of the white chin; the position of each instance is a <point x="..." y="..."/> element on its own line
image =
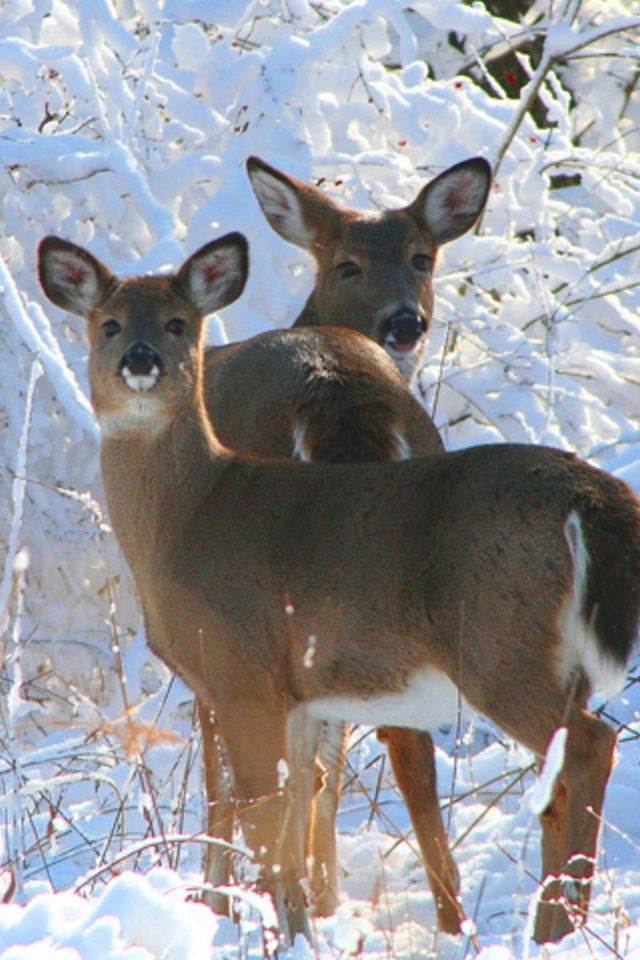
<point x="405" y="360"/>
<point x="141" y="382"/>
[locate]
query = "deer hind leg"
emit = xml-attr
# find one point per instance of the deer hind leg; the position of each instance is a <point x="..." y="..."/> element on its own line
<point x="322" y="848"/>
<point x="412" y="757"/>
<point x="571" y="827"/>
<point x="267" y="800"/>
<point x="531" y="707"/>
<point x="220" y="811"/>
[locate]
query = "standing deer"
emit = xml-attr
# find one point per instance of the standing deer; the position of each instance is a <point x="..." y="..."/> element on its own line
<point x="286" y="594"/>
<point x="374" y="271"/>
<point x="327" y="394"/>
<point x="322" y="394"/>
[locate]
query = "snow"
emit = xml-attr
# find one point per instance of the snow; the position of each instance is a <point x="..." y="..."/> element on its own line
<point x="124" y="127"/>
<point x="540" y="796"/>
<point x="134" y="918"/>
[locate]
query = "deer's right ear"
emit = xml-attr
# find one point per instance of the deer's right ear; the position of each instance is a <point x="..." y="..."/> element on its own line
<point x="295" y="210"/>
<point x="215" y="275"/>
<point x="71" y="277"/>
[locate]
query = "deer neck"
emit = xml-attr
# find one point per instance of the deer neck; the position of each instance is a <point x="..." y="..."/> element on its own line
<point x="156" y="481"/>
<point x="309" y="315"/>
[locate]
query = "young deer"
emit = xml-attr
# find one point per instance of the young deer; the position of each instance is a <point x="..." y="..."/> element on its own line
<point x="331" y="395"/>
<point x="286" y="594"/>
<point x="375" y="275"/>
<point x="374" y="271"/>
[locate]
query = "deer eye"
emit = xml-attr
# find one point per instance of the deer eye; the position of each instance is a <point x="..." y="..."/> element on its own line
<point x="347" y="269"/>
<point x="111" y="327"/>
<point x="422" y="261"/>
<point x="176" y="326"/>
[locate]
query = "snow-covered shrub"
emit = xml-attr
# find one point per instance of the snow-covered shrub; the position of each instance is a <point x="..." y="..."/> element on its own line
<point x="125" y="126"/>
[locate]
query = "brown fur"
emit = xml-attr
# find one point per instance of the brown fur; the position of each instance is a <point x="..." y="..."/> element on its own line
<point x="457" y="562"/>
<point x="337" y="395"/>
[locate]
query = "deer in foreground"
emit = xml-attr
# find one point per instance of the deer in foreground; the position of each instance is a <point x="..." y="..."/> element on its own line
<point x="332" y="395"/>
<point x="286" y="594"/>
<point x="325" y="394"/>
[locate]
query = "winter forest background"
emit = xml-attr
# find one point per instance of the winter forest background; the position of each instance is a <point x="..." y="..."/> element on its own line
<point x="124" y="126"/>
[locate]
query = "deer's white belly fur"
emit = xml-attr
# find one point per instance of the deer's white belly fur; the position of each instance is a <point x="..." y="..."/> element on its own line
<point x="429" y="700"/>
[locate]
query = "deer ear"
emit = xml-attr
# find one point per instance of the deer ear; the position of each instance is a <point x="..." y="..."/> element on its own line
<point x="215" y="275"/>
<point x="71" y="277"/>
<point x="295" y="210"/>
<point x="451" y="203"/>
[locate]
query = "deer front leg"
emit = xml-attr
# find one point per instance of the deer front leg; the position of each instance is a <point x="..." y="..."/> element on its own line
<point x="413" y="761"/>
<point x="302" y="784"/>
<point x="220" y="811"/>
<point x="571" y="827"/>
<point x="268" y="801"/>
<point x="332" y="751"/>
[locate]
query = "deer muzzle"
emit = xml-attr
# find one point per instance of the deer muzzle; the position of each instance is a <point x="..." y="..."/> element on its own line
<point x="405" y="329"/>
<point x="141" y="366"/>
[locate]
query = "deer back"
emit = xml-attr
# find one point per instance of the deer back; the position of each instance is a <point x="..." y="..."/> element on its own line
<point x="320" y="394"/>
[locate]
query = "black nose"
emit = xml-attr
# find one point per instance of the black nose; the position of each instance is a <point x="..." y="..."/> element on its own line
<point x="141" y="358"/>
<point x="406" y="326"/>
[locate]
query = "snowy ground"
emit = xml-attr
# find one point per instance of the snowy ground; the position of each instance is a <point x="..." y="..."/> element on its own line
<point x="124" y="126"/>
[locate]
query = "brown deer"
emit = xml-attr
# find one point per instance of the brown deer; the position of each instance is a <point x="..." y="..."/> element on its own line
<point x="374" y="271"/>
<point x="374" y="275"/>
<point x="286" y="594"/>
<point x="334" y="395"/>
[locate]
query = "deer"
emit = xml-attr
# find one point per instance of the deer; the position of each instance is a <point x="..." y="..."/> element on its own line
<point x="287" y="594"/>
<point x="333" y="395"/>
<point x="374" y="282"/>
<point x="374" y="275"/>
<point x="374" y="270"/>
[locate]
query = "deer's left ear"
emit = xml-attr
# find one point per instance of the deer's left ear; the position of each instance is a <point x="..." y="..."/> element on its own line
<point x="72" y="277"/>
<point x="215" y="275"/>
<point x="451" y="203"/>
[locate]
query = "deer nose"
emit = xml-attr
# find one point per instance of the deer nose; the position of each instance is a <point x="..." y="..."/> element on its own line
<point x="141" y="359"/>
<point x="406" y="326"/>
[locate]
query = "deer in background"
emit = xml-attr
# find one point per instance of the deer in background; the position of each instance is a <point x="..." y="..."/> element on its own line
<point x="374" y="270"/>
<point x="374" y="275"/>
<point x="286" y="594"/>
<point x="325" y="394"/>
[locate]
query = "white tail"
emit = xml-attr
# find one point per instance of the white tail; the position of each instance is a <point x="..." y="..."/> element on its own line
<point x="421" y="580"/>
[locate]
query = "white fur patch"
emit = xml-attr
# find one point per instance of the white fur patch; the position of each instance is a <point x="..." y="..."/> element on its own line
<point x="429" y="700"/>
<point x="141" y="382"/>
<point x="139" y="413"/>
<point x="402" y="450"/>
<point x="281" y="208"/>
<point x="300" y="448"/>
<point x="581" y="647"/>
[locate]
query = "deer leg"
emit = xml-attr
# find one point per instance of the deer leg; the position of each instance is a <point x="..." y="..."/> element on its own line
<point x="220" y="811"/>
<point x="332" y="752"/>
<point x="256" y="742"/>
<point x="552" y="912"/>
<point x="302" y="743"/>
<point x="571" y="826"/>
<point x="413" y="760"/>
<point x="571" y="823"/>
